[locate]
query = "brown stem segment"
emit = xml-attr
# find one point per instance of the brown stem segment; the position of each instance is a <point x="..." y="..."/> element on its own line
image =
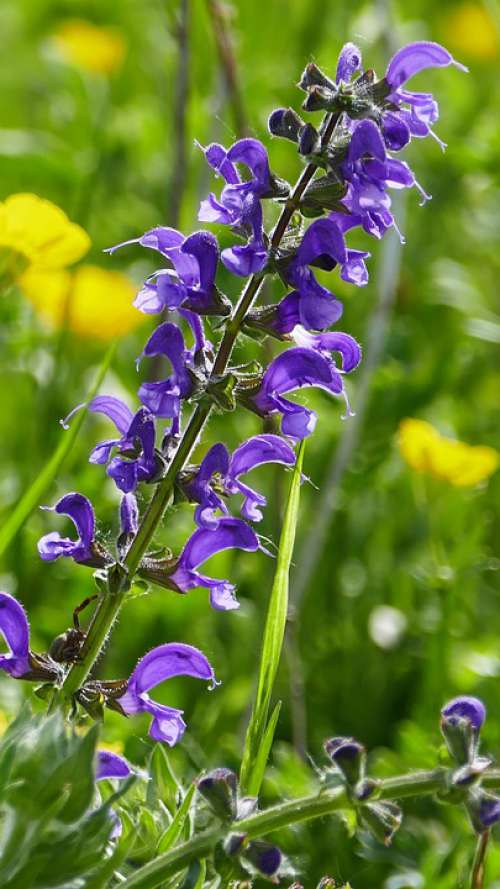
<point x="109" y="606"/>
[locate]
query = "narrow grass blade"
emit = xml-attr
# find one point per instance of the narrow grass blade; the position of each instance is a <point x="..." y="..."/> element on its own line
<point x="174" y="829"/>
<point x="35" y="493"/>
<point x="260" y="733"/>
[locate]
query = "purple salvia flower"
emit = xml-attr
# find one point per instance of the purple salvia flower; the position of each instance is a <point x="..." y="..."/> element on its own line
<point x="111" y="765"/>
<point x="399" y="126"/>
<point x="158" y="665"/>
<point x="322" y="246"/>
<point x="191" y="282"/>
<point x="79" y="509"/>
<point x="163" y="398"/>
<point x="300" y="367"/>
<point x="136" y="446"/>
<point x="230" y="533"/>
<point x="239" y="203"/>
<point x="256" y="451"/>
<point x="14" y="628"/>
<point x="466" y="708"/>
<point x="199" y="488"/>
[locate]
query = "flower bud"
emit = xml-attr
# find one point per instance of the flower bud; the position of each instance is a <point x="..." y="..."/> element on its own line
<point x="483" y="809"/>
<point x="349" y="756"/>
<point x="220" y="789"/>
<point x="382" y="819"/>
<point x="264" y="857"/>
<point x="309" y="140"/>
<point x="313" y="76"/>
<point x="285" y="122"/>
<point x="461" y="721"/>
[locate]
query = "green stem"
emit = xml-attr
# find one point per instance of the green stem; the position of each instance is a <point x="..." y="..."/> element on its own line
<point x="109" y="605"/>
<point x="283" y="815"/>
<point x="478" y="865"/>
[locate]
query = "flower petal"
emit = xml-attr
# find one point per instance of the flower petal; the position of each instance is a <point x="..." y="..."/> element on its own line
<point x="349" y="62"/>
<point x="258" y="450"/>
<point x="415" y="57"/>
<point x="111" y="765"/>
<point x="230" y="533"/>
<point x="14" y="625"/>
<point x="113" y="408"/>
<point x="166" y="661"/>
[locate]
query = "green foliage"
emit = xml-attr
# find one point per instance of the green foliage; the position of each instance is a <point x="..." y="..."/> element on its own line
<point x="105" y="151"/>
<point x="260" y="732"/>
<point x="53" y="831"/>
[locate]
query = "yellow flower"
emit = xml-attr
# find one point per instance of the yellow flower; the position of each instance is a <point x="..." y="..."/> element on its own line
<point x="98" y="50"/>
<point x="98" y="302"/>
<point x="34" y="233"/>
<point x="471" y="30"/>
<point x="112" y="746"/>
<point x="425" y="450"/>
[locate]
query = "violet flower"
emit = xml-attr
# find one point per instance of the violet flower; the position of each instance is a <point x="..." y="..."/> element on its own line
<point x="369" y="172"/>
<point x="300" y="367"/>
<point x="191" y="282"/>
<point x="218" y="468"/>
<point x="163" y="398"/>
<point x="239" y="202"/>
<point x="84" y="549"/>
<point x="204" y="543"/>
<point x="398" y="126"/>
<point x="111" y="765"/>
<point x="163" y="662"/>
<point x="20" y="662"/>
<point x="14" y="628"/>
<point x="136" y="447"/>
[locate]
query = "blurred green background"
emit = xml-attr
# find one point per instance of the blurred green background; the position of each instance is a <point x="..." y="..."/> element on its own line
<point x="399" y="609"/>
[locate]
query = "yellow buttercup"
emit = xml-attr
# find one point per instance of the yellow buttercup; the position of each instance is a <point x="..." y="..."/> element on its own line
<point x="95" y="49"/>
<point x="460" y="464"/>
<point x="90" y="301"/>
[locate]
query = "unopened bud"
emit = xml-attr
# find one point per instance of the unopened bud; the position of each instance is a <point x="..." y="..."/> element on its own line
<point x="483" y="809"/>
<point x="286" y="123"/>
<point x="220" y="789"/>
<point x="461" y="721"/>
<point x="264" y="857"/>
<point x="349" y="756"/>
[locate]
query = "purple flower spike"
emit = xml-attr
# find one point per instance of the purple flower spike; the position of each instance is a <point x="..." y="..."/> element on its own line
<point x="295" y="369"/>
<point x="467" y="708"/>
<point x="230" y="533"/>
<point x="137" y="460"/>
<point x="111" y="765"/>
<point x="415" y="57"/>
<point x="163" y="662"/>
<point x="258" y="450"/>
<point x="14" y="628"/>
<point x="163" y="398"/>
<point x="79" y="509"/>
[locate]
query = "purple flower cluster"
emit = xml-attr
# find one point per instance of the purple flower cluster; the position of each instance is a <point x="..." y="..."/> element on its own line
<point x="366" y="120"/>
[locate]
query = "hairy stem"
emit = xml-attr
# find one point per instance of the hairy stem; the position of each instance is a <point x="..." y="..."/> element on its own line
<point x="478" y="865"/>
<point x="109" y="606"/>
<point x="317" y="805"/>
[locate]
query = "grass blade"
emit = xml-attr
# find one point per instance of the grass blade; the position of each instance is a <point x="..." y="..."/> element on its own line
<point x="260" y="733"/>
<point x="175" y="828"/>
<point x="35" y="493"/>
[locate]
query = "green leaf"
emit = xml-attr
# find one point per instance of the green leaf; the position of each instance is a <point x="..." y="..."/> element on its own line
<point x="259" y="733"/>
<point x="174" y="830"/>
<point x="35" y="493"/>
